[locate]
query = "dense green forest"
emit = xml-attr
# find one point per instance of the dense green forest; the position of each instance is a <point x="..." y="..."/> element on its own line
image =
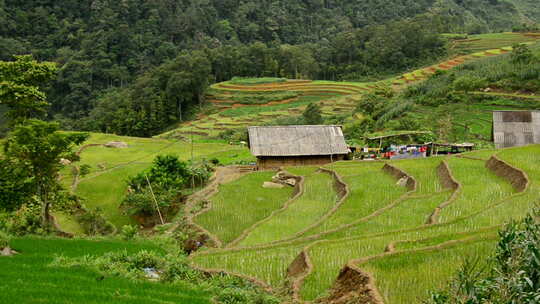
<point x="135" y="67"/>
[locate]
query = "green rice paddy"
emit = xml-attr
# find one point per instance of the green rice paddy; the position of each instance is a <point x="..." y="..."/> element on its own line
<point x="423" y="256"/>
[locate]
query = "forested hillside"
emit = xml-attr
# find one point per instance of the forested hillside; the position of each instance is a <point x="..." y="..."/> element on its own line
<point x="147" y="63"/>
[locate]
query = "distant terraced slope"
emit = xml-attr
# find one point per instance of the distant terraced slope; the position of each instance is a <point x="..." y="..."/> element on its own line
<point x="237" y="103"/>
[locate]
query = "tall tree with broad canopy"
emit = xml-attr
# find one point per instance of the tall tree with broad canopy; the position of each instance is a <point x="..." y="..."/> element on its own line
<point x="20" y="83"/>
<point x="38" y="147"/>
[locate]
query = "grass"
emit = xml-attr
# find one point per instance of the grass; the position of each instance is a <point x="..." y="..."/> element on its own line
<point x="318" y="198"/>
<point x="68" y="223"/>
<point x="107" y="191"/>
<point x="240" y="204"/>
<point x="230" y="157"/>
<point x="27" y="278"/>
<point x="105" y="186"/>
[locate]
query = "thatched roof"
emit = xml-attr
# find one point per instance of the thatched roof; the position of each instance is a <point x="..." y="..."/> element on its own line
<point x="297" y="141"/>
<point x="516" y="128"/>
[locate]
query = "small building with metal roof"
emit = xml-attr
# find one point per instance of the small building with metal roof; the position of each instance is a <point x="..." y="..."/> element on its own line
<point x="284" y="146"/>
<point x="516" y="128"/>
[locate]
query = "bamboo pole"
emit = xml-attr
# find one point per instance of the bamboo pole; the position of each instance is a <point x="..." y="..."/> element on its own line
<point x="155" y="200"/>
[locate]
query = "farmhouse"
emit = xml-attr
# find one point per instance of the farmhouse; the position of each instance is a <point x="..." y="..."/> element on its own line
<point x="516" y="128"/>
<point x="282" y="146"/>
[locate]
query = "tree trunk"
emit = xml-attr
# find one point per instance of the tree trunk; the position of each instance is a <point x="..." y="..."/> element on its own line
<point x="45" y="208"/>
<point x="45" y="215"/>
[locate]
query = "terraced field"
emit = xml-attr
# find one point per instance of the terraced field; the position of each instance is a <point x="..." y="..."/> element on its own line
<point x="105" y="186"/>
<point x="357" y="232"/>
<point x="239" y="103"/>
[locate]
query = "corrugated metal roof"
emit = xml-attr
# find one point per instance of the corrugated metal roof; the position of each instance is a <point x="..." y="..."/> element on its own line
<point x="297" y="140"/>
<point x="516" y="128"/>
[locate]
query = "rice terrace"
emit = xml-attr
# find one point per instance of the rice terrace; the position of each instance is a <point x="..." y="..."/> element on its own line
<point x="353" y="156"/>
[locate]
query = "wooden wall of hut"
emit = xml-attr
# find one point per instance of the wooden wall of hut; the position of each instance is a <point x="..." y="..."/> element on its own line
<point x="275" y="162"/>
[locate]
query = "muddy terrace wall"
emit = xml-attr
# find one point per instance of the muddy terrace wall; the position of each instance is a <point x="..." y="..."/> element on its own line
<point x="514" y="176"/>
<point x="339" y="185"/>
<point x="353" y="286"/>
<point x="399" y="174"/>
<point x="446" y="178"/>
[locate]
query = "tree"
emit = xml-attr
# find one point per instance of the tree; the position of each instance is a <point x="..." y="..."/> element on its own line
<point x="39" y="147"/>
<point x="20" y="83"/>
<point x="521" y="54"/>
<point x="312" y="114"/>
<point x="15" y="185"/>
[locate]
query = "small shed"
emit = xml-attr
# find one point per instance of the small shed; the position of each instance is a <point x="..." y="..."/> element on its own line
<point x="283" y="146"/>
<point x="516" y="128"/>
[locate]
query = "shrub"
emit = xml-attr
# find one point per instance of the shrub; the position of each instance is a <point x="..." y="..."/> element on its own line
<point x="129" y="232"/>
<point x="93" y="223"/>
<point x="167" y="177"/>
<point x="371" y="104"/>
<point x="167" y="171"/>
<point x="391" y="111"/>
<point x="469" y="83"/>
<point x="521" y="54"/>
<point x="15" y="185"/>
<point x="26" y="220"/>
<point x="4" y="239"/>
<point x="177" y="269"/>
<point x="233" y="296"/>
<point x="142" y="202"/>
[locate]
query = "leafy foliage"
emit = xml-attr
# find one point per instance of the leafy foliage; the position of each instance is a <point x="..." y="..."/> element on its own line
<point x="20" y="83"/>
<point x="38" y="147"/>
<point x="163" y="184"/>
<point x="26" y="220"/>
<point x="93" y="223"/>
<point x="15" y="185"/>
<point x="4" y="239"/>
<point x="512" y="277"/>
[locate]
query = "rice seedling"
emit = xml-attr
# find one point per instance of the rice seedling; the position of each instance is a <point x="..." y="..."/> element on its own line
<point x="480" y="188"/>
<point x="267" y="264"/>
<point x="240" y="204"/>
<point x="404" y="226"/>
<point x="370" y="190"/>
<point x="318" y="198"/>
<point x="424" y="170"/>
<point x="409" y="277"/>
